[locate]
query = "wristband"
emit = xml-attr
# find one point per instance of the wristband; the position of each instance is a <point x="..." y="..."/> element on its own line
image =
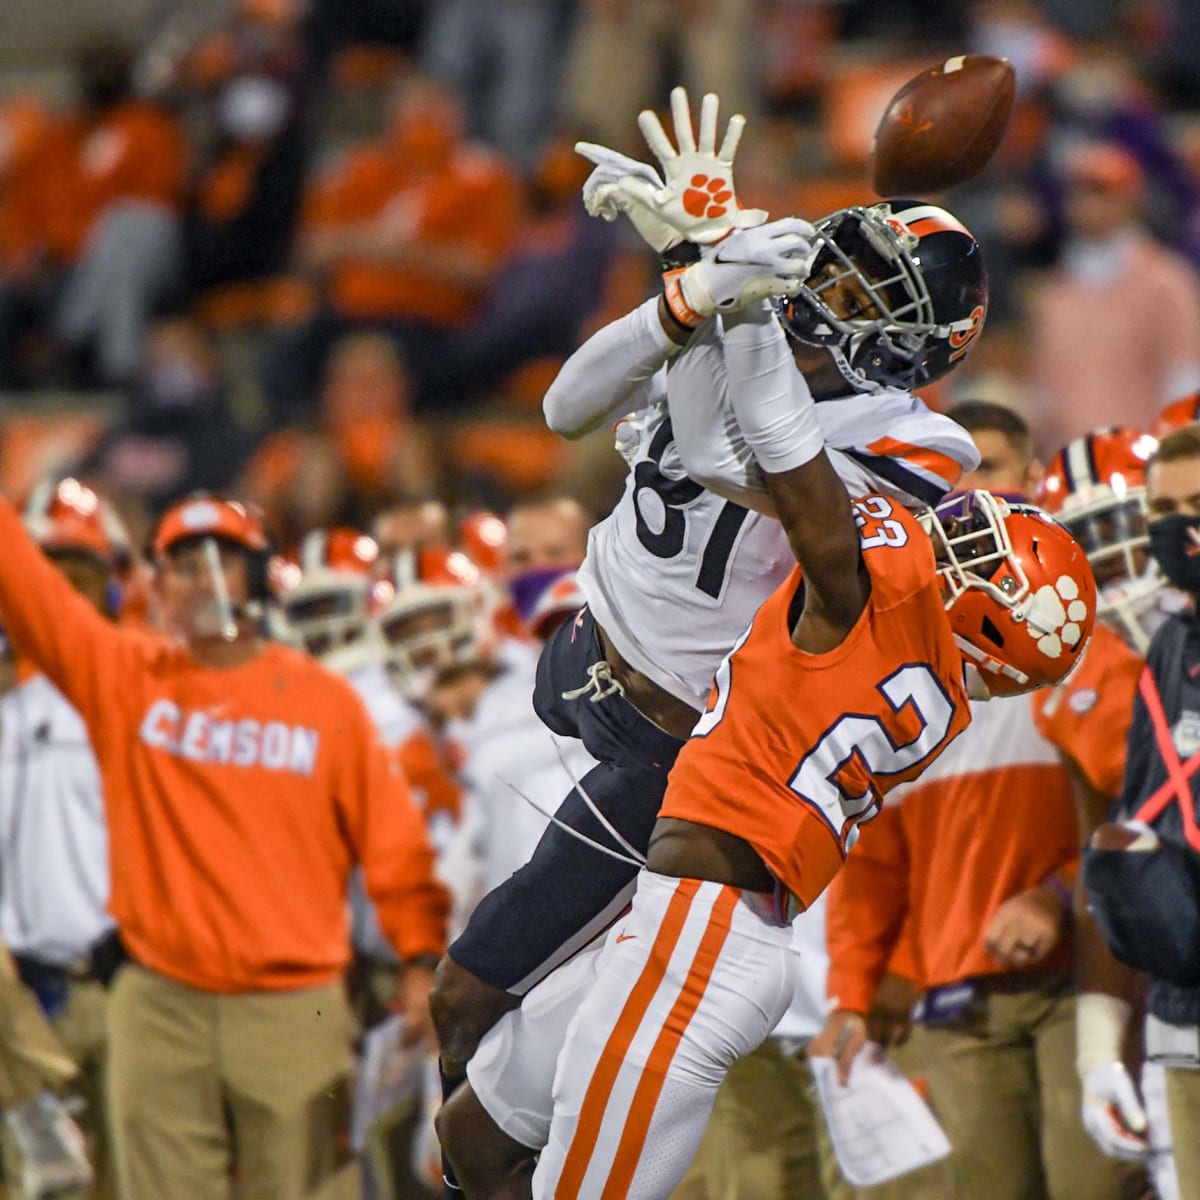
<point x="681" y="310"/>
<point x="1060" y="891"/>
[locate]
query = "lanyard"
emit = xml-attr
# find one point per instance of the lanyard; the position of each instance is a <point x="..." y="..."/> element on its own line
<point x="1176" y="785"/>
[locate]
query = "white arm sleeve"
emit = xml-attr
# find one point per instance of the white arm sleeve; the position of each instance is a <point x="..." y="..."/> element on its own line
<point x="887" y="442"/>
<point x="770" y="398"/>
<point x="616" y="371"/>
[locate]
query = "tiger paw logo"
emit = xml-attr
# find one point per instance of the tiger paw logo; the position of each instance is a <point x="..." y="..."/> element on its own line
<point x="708" y="196"/>
<point x="1054" y="617"/>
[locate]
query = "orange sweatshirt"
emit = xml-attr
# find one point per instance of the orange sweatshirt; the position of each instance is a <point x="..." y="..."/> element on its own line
<point x="237" y="800"/>
<point x="993" y="817"/>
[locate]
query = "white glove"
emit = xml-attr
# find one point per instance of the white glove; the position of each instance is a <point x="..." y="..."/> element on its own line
<point x="750" y="265"/>
<point x="600" y="196"/>
<point x="697" y="202"/>
<point x="1112" y="1113"/>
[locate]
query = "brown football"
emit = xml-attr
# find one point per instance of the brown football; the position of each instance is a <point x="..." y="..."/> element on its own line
<point x="942" y="126"/>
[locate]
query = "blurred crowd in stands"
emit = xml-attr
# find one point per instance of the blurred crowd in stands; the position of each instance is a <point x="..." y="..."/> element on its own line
<point x="331" y="254"/>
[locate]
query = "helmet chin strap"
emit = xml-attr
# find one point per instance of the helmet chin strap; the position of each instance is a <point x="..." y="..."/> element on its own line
<point x="859" y="382"/>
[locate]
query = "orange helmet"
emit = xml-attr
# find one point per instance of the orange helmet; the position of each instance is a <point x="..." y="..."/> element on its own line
<point x="1018" y="589"/>
<point x="68" y="515"/>
<point x="1177" y="415"/>
<point x="326" y="596"/>
<point x="1095" y="486"/>
<point x="434" y="614"/>
<point x="210" y="516"/>
<point x="208" y="520"/>
<point x="482" y="535"/>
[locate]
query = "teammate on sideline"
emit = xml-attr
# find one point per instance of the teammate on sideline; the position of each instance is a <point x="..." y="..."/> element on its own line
<point x="241" y="782"/>
<point x="672" y="577"/>
<point x="53" y="837"/>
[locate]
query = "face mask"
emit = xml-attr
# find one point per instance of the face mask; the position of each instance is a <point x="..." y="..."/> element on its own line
<point x="526" y="589"/>
<point x="1175" y="545"/>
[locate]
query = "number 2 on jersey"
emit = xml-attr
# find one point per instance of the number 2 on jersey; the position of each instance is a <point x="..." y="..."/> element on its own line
<point x="676" y="495"/>
<point x="877" y="742"/>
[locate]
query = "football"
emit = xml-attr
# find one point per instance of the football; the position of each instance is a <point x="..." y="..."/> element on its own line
<point x="941" y="128"/>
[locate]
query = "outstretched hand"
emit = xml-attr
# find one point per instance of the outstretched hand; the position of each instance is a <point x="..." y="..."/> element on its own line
<point x="694" y="200"/>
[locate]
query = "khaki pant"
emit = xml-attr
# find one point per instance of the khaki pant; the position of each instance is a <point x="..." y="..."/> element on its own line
<point x="82" y="1029"/>
<point x="212" y="1096"/>
<point x="1183" y="1107"/>
<point x="767" y="1141"/>
<point x="1002" y="1081"/>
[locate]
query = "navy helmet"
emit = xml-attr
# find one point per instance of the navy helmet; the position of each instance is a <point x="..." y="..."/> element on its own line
<point x="923" y="274"/>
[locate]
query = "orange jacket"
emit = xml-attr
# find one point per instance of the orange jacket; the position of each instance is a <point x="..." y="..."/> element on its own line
<point x="993" y="817"/>
<point x="472" y="204"/>
<point x="237" y="800"/>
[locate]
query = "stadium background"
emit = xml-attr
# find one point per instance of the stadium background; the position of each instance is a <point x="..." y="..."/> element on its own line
<point x="275" y="106"/>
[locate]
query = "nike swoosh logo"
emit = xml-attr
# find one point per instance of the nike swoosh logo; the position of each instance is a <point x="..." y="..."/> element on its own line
<point x="625" y="937"/>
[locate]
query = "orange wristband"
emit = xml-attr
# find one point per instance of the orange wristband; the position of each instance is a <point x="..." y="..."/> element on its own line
<point x="680" y="309"/>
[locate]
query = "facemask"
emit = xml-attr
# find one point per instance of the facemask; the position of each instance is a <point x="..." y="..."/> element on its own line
<point x="526" y="589"/>
<point x="1175" y="545"/>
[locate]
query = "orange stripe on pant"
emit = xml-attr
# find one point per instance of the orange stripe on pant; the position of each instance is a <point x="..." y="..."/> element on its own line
<point x="612" y="1057"/>
<point x="641" y="1110"/>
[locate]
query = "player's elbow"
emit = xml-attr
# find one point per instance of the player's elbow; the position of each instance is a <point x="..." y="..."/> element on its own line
<point x="557" y="412"/>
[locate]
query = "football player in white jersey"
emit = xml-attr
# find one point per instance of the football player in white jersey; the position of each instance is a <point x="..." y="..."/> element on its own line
<point x="53" y="835"/>
<point x="328" y="600"/>
<point x="675" y="573"/>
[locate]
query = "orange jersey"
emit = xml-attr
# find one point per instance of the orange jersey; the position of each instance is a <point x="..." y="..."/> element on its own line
<point x="1087" y="716"/>
<point x="796" y="749"/>
<point x="992" y="818"/>
<point x="237" y="800"/>
<point x="472" y="204"/>
<point x="427" y="768"/>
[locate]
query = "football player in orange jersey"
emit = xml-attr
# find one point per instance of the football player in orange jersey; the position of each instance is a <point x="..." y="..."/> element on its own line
<point x="847" y="681"/>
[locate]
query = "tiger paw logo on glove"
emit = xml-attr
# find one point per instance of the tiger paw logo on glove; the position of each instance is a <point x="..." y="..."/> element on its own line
<point x="707" y="197"/>
<point x="1054" y="616"/>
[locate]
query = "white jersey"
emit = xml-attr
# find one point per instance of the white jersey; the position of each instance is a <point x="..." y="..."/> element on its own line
<point x="395" y="720"/>
<point x="394" y="717"/>
<point x="509" y="760"/>
<point x="53" y="836"/>
<point x="675" y="573"/>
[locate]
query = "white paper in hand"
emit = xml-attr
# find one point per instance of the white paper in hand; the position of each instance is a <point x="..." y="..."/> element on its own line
<point x="880" y="1127"/>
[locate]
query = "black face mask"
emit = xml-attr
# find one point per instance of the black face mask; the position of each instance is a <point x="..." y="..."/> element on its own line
<point x="1175" y="545"/>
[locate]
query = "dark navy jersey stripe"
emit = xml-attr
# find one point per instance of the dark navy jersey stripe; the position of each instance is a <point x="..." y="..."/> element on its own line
<point x="897" y="474"/>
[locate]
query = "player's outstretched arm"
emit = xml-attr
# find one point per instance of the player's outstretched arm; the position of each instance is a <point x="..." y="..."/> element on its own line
<point x="611" y="374"/>
<point x="777" y="415"/>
